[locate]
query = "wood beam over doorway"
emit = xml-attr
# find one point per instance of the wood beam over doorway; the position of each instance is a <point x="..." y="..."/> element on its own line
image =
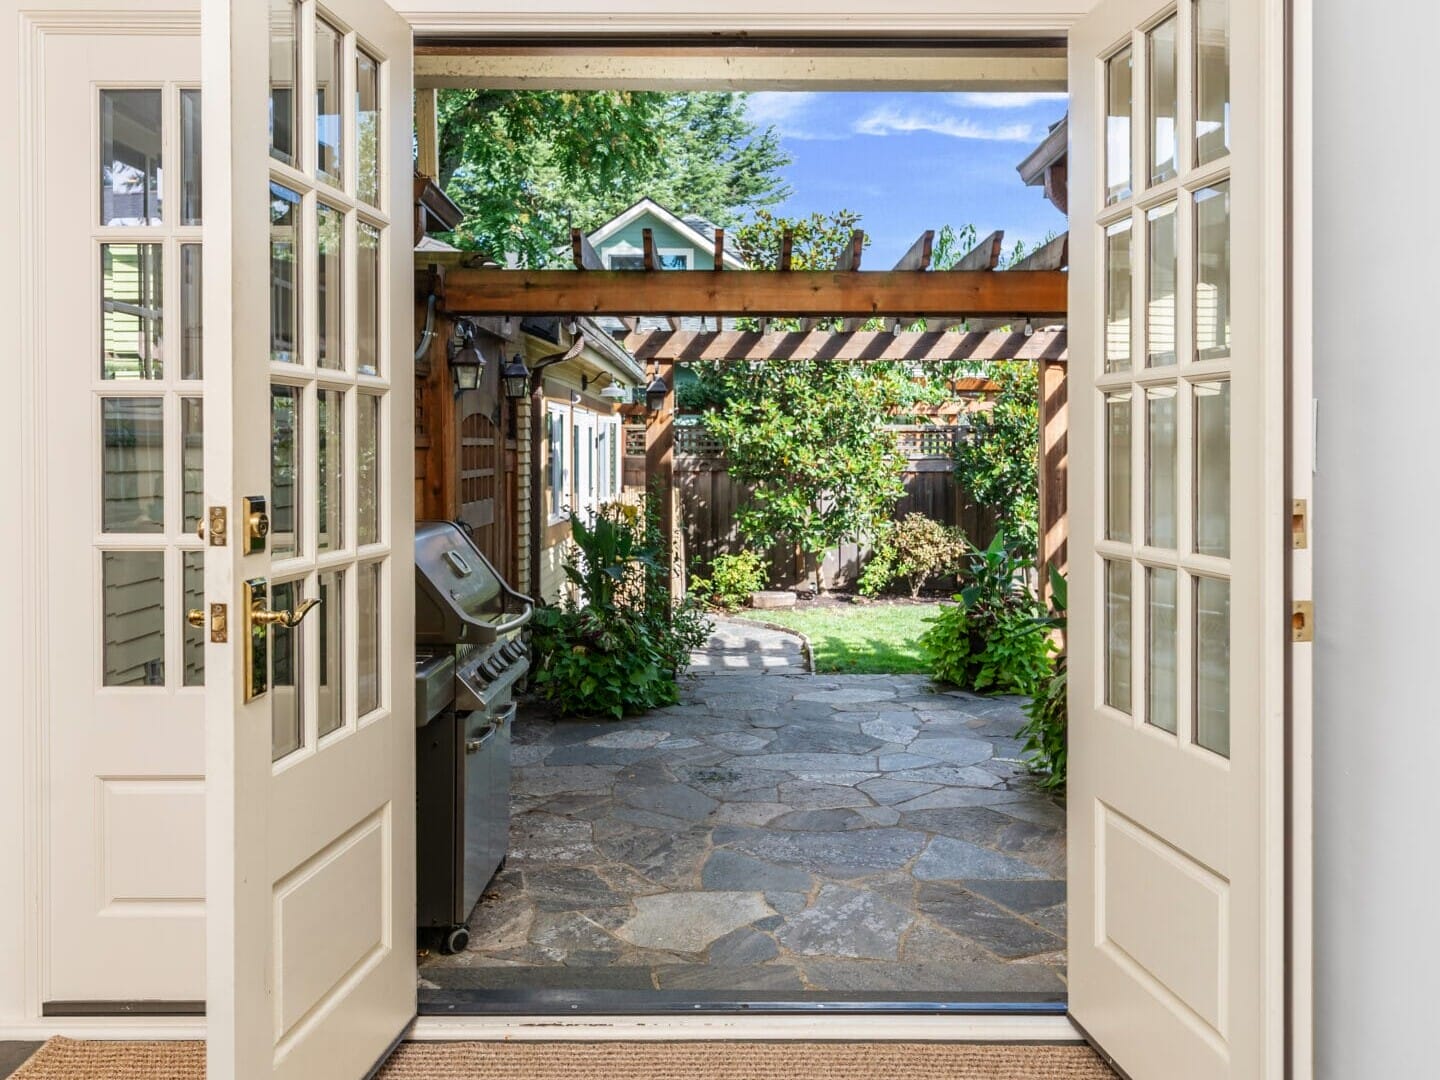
<point x="824" y="293"/>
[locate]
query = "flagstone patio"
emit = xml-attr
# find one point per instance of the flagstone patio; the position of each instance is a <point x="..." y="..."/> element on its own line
<point x="777" y="833"/>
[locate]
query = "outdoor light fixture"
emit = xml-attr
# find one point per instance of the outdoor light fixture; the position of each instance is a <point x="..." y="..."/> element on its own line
<point x="517" y="378"/>
<point x="615" y="392"/>
<point x="656" y="393"/>
<point x="466" y="363"/>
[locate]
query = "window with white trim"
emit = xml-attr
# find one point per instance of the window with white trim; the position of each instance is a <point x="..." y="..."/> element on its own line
<point x="558" y="473"/>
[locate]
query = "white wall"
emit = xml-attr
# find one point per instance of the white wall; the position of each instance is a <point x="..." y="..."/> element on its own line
<point x="1377" y="522"/>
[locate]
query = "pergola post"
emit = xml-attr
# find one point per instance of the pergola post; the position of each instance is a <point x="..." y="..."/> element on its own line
<point x="660" y="469"/>
<point x="1054" y="469"/>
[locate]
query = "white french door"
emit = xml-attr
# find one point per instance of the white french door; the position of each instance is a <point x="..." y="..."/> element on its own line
<point x="1177" y="410"/>
<point x="309" y="712"/>
<point x="122" y="374"/>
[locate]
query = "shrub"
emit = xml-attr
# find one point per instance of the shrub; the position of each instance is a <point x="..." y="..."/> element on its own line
<point x="917" y="549"/>
<point x="1044" y="731"/>
<point x="618" y="645"/>
<point x="998" y="465"/>
<point x="732" y="579"/>
<point x="989" y="639"/>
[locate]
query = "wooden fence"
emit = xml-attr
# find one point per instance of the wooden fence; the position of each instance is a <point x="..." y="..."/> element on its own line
<point x="710" y="500"/>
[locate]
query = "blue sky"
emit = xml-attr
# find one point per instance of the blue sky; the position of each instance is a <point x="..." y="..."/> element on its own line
<point x="911" y="162"/>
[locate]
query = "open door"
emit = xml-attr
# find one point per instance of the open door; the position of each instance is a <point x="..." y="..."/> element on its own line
<point x="308" y="579"/>
<point x="1178" y="536"/>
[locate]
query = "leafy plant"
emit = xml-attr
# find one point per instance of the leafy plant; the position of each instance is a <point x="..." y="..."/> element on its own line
<point x="732" y="579"/>
<point x="809" y="436"/>
<point x="618" y="644"/>
<point x="1045" y="729"/>
<point x="998" y="465"/>
<point x="988" y="640"/>
<point x="916" y="549"/>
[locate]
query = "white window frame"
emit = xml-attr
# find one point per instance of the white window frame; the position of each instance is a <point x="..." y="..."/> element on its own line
<point x="557" y="466"/>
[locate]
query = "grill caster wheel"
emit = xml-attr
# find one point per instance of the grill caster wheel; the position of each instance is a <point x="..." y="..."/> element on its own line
<point x="455" y="941"/>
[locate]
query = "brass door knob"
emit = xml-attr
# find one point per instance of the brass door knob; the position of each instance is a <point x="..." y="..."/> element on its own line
<point x="264" y="617"/>
<point x="196" y="618"/>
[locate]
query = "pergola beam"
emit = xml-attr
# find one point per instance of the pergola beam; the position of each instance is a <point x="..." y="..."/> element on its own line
<point x="867" y="345"/>
<point x="814" y="293"/>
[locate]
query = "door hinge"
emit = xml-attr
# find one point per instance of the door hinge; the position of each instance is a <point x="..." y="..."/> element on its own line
<point x="1302" y="620"/>
<point x="1300" y="523"/>
<point x="218" y="526"/>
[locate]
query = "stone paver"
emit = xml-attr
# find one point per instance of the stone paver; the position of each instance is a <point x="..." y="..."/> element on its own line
<point x="777" y="832"/>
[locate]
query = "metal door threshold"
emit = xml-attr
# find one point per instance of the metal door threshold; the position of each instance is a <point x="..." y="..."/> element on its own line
<point x="694" y="1002"/>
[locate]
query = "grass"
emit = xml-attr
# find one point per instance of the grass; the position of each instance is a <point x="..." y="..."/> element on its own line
<point x="860" y="639"/>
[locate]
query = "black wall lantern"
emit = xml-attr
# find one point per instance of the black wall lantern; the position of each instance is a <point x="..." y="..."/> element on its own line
<point x="656" y="393"/>
<point x="517" y="378"/>
<point x="466" y="363"/>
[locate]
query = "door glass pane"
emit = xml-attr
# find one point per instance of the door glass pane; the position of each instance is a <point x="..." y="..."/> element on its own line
<point x="1118" y="107"/>
<point x="329" y="288"/>
<point x="1117" y="297"/>
<point x="1212" y="468"/>
<point x="194" y="636"/>
<point x="1117" y="467"/>
<point x="284" y="79"/>
<point x="1163" y="99"/>
<point x="190" y="150"/>
<point x="134" y="622"/>
<point x="284" y="275"/>
<point x="1212" y="664"/>
<point x="1212" y="272"/>
<point x="367" y="126"/>
<point x="332" y="469"/>
<point x="285" y="449"/>
<point x="192" y="321"/>
<point x="1160" y="287"/>
<point x="367" y="300"/>
<point x="130" y="163"/>
<point x="368" y="683"/>
<point x="329" y="63"/>
<point x="286" y="688"/>
<point x="192" y="462"/>
<point x="368" y="470"/>
<point x="1161" y="696"/>
<point x="332" y="651"/>
<point x="1117" y="635"/>
<point x="1161" y="476"/>
<point x="1212" y="79"/>
<point x="133" y="465"/>
<point x="132" y="297"/>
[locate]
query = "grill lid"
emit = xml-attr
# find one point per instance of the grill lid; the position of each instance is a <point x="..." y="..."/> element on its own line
<point x="459" y="598"/>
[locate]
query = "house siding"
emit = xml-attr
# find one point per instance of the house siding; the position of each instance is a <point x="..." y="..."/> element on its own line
<point x="631" y="238"/>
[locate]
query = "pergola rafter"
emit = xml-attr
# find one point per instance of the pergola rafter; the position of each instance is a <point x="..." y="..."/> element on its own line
<point x="872" y="345"/>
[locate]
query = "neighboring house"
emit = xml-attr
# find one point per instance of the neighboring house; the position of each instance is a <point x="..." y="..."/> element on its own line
<point x="681" y="242"/>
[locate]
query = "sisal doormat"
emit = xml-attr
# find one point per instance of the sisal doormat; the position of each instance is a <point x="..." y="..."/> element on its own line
<point x="70" y="1059"/>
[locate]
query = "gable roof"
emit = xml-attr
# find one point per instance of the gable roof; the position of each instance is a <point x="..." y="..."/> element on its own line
<point x="691" y="228"/>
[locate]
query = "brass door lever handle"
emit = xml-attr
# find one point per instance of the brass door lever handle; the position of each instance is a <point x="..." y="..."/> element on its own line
<point x="263" y="617"/>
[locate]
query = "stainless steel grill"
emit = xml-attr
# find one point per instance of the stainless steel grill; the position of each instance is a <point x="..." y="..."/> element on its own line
<point x="469" y="657"/>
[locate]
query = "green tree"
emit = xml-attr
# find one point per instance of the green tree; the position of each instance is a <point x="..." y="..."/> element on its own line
<point x="998" y="464"/>
<point x="810" y="437"/>
<point x="526" y="166"/>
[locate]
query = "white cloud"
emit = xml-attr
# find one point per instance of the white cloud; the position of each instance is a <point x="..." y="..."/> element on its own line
<point x="782" y="110"/>
<point x="891" y="121"/>
<point x="989" y="100"/>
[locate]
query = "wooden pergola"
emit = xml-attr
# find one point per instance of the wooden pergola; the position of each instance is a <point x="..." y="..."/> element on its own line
<point x="972" y="311"/>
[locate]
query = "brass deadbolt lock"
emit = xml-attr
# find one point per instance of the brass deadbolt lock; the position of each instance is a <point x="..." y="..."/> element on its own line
<point x="257" y="524"/>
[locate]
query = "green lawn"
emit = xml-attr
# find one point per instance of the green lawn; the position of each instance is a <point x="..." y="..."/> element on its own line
<point x="863" y="639"/>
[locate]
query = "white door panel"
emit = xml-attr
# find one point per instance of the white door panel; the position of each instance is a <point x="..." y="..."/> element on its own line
<point x="311" y="753"/>
<point x="124" y="886"/>
<point x="1177" y="636"/>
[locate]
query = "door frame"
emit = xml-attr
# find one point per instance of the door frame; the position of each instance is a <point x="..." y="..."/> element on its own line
<point x="23" y="746"/>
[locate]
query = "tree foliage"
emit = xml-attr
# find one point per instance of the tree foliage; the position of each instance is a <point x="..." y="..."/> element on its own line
<point x="999" y="463"/>
<point x="810" y="437"/>
<point x="526" y="166"/>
